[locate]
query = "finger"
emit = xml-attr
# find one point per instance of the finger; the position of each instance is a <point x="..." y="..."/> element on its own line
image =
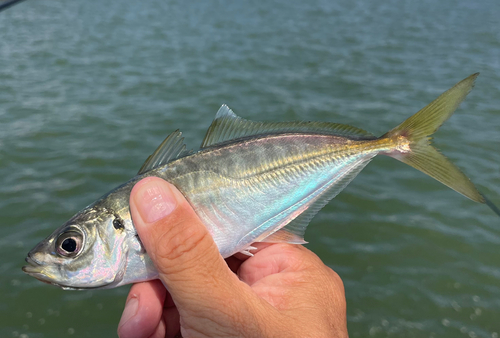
<point x="234" y="262"/>
<point x="142" y="314"/>
<point x="171" y="319"/>
<point x="258" y="247"/>
<point x="187" y="258"/>
<point x="160" y="330"/>
<point x="282" y="270"/>
<point x="273" y="259"/>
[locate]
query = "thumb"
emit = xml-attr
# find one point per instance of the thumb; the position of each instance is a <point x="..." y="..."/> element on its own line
<point x="182" y="249"/>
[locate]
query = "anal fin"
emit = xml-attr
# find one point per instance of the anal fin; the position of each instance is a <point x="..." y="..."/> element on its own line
<point x="285" y="236"/>
<point x="293" y="232"/>
<point x="247" y="251"/>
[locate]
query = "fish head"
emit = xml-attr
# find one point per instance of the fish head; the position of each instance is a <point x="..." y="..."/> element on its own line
<point x="88" y="251"/>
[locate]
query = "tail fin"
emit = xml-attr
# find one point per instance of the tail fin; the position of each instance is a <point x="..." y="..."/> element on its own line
<point x="415" y="132"/>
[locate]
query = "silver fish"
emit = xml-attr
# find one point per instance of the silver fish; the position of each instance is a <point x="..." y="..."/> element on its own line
<point x="249" y="182"/>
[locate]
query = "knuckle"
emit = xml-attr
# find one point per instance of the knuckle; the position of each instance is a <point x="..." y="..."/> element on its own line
<point x="335" y="278"/>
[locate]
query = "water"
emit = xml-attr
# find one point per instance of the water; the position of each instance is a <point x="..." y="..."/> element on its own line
<point x="88" y="89"/>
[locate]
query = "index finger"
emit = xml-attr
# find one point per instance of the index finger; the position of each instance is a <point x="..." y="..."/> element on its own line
<point x="142" y="316"/>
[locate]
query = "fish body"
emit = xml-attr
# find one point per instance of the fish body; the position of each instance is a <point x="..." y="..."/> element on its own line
<point x="250" y="182"/>
<point x="243" y="197"/>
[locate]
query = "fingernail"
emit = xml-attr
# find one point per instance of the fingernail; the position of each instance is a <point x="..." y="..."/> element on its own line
<point x="130" y="311"/>
<point x="155" y="200"/>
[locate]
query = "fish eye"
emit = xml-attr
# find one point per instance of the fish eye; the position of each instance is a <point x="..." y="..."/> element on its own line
<point x="69" y="244"/>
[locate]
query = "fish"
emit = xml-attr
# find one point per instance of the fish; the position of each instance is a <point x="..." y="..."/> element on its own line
<point x="249" y="182"/>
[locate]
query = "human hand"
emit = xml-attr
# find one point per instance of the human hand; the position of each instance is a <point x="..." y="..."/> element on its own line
<point x="284" y="290"/>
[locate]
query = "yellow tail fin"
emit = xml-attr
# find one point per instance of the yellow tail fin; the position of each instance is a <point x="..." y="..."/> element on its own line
<point x="424" y="157"/>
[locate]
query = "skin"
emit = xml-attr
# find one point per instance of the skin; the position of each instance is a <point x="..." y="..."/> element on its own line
<point x="282" y="291"/>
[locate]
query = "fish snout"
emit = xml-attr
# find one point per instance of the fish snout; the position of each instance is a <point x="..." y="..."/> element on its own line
<point x="30" y="259"/>
<point x="34" y="265"/>
<point x="35" y="268"/>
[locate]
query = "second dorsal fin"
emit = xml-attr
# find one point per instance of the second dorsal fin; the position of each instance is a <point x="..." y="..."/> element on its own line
<point x="170" y="149"/>
<point x="228" y="126"/>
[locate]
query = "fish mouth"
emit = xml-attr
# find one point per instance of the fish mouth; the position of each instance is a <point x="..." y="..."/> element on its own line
<point x="34" y="266"/>
<point x="37" y="272"/>
<point x="32" y="262"/>
<point x="35" y="269"/>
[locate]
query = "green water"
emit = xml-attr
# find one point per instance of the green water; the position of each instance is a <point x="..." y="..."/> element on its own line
<point x="88" y="89"/>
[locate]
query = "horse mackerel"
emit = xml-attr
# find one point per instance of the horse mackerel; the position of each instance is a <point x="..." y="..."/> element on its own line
<point x="250" y="182"/>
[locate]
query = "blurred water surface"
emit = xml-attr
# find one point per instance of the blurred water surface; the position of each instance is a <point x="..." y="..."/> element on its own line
<point x="88" y="89"/>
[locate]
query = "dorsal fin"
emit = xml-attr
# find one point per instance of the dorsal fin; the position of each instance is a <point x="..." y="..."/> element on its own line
<point x="171" y="148"/>
<point x="229" y="126"/>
